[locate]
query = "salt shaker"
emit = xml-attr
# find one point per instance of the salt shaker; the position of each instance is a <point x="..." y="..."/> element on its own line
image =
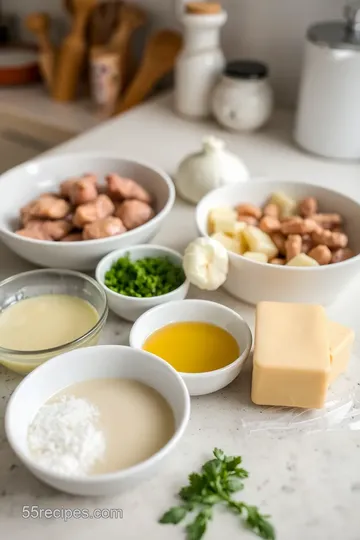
<point x="201" y="61"/>
<point x="243" y="98"/>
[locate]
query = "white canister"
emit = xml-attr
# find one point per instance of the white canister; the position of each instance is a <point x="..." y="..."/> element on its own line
<point x="328" y="114"/>
<point x="243" y="99"/>
<point x="199" y="64"/>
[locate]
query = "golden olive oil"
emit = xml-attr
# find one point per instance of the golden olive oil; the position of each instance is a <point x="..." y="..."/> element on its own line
<point x="193" y="347"/>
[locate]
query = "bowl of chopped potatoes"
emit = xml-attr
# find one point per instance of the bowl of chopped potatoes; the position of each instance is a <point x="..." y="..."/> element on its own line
<point x="286" y="241"/>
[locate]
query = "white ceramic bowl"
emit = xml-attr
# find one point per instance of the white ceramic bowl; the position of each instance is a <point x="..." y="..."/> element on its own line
<point x="253" y="281"/>
<point x="198" y="310"/>
<point x="128" y="307"/>
<point x="84" y="364"/>
<point x="27" y="181"/>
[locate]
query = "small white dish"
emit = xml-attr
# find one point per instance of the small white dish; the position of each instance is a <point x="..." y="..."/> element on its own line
<point x="198" y="310"/>
<point x="26" y="182"/>
<point x="91" y="363"/>
<point x="254" y="281"/>
<point x="129" y="307"/>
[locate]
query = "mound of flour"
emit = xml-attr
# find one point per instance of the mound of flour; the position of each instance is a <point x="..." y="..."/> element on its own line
<point x="63" y="436"/>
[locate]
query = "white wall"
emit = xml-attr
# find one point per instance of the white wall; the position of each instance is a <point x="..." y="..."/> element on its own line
<point x="270" y="30"/>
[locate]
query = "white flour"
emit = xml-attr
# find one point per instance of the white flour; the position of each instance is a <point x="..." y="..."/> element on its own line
<point x="63" y="436"/>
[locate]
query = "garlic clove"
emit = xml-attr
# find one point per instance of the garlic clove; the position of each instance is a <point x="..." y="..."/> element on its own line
<point x="206" y="263"/>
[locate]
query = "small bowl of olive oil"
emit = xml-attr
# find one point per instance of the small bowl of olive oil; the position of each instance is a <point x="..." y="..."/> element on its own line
<point x="207" y="343"/>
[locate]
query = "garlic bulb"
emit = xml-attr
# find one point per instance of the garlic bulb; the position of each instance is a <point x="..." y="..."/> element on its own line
<point x="208" y="169"/>
<point x="206" y="263"/>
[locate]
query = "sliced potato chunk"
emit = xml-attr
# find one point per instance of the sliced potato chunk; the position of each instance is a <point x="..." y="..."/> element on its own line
<point x="302" y="260"/>
<point x="260" y="242"/>
<point x="222" y="219"/>
<point x="230" y="243"/>
<point x="256" y="256"/>
<point x="286" y="204"/>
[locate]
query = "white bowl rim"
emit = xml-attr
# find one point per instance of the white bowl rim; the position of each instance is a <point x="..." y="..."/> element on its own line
<point x="134" y="249"/>
<point x="115" y="475"/>
<point x="240" y="359"/>
<point x="97" y="155"/>
<point x="65" y="272"/>
<point x="278" y="267"/>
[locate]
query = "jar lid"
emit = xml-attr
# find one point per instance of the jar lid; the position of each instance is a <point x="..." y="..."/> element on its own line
<point x="339" y="34"/>
<point x="246" y="69"/>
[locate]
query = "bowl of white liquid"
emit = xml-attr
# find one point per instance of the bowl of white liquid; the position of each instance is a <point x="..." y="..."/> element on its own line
<point x="44" y="313"/>
<point x="97" y="420"/>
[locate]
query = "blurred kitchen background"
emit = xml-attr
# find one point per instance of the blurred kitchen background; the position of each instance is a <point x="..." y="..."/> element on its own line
<point x="272" y="30"/>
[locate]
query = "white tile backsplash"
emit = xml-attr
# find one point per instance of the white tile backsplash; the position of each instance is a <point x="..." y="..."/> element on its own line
<point x="270" y="30"/>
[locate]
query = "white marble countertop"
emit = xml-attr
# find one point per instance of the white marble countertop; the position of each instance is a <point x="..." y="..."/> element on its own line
<point x="308" y="479"/>
<point x="33" y="102"/>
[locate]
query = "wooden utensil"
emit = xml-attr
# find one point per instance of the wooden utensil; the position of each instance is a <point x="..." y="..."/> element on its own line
<point x="72" y="52"/>
<point x="158" y="59"/>
<point x="103" y="21"/>
<point x="131" y="18"/>
<point x="39" y="24"/>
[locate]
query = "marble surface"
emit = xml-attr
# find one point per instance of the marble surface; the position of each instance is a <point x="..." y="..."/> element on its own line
<point x="305" y="474"/>
<point x="34" y="102"/>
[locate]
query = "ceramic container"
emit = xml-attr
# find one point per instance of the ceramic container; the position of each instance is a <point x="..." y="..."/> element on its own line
<point x="20" y="185"/>
<point x="199" y="64"/>
<point x="105" y="80"/>
<point x="198" y="310"/>
<point x="128" y="307"/>
<point x="95" y="362"/>
<point x="243" y="98"/>
<point x="253" y="281"/>
<point x="328" y="113"/>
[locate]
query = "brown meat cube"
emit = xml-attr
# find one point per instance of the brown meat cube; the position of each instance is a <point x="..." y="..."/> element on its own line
<point x="124" y="188"/>
<point x="26" y="212"/>
<point x="46" y="230"/>
<point x="101" y="208"/>
<point x="102" y="228"/>
<point x="57" y="229"/>
<point x="73" y="237"/>
<point x="36" y="231"/>
<point x="83" y="190"/>
<point x="66" y="186"/>
<point x="134" y="213"/>
<point x="49" y="207"/>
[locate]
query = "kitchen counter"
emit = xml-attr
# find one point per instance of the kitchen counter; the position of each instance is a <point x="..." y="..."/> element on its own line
<point x="33" y="102"/>
<point x="307" y="477"/>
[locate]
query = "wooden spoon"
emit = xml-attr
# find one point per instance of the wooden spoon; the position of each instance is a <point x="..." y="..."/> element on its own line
<point x="39" y="24"/>
<point x="72" y="52"/>
<point x="158" y="59"/>
<point x="131" y="18"/>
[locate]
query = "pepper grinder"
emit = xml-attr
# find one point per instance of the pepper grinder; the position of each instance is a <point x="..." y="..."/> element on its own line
<point x="201" y="60"/>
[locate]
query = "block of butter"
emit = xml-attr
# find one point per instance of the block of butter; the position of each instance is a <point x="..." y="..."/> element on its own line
<point x="291" y="366"/>
<point x="341" y="342"/>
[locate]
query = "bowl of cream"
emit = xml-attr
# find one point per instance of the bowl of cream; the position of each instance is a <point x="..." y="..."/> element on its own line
<point x="98" y="419"/>
<point x="207" y="343"/>
<point x="44" y="313"/>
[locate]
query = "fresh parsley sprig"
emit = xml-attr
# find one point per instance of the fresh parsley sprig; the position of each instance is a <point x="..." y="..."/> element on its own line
<point x="219" y="479"/>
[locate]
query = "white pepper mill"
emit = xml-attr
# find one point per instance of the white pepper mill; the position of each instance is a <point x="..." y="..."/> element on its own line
<point x="201" y="62"/>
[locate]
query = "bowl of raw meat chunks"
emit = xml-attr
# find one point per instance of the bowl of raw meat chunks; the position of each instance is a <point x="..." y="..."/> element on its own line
<point x="70" y="210"/>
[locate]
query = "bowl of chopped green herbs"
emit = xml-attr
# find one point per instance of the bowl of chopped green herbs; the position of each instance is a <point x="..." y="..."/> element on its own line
<point x="138" y="278"/>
